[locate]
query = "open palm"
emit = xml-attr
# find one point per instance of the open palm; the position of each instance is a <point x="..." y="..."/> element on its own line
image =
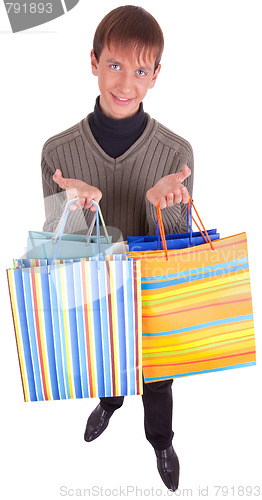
<point x="170" y="190"/>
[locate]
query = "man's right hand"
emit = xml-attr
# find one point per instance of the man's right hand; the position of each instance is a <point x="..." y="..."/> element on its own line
<point x="76" y="188"/>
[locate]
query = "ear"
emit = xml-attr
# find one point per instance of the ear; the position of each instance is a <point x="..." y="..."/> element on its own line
<point x="154" y="77"/>
<point x="94" y="63"/>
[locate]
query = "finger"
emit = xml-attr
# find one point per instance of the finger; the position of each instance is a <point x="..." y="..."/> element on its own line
<point x="170" y="199"/>
<point x="163" y="202"/>
<point x="185" y="195"/>
<point x="88" y="202"/>
<point x="181" y="176"/>
<point x="58" y="178"/>
<point x="177" y="196"/>
<point x="89" y="205"/>
<point x="151" y="198"/>
<point x="73" y="207"/>
<point x="81" y="200"/>
<point x="97" y="197"/>
<point x="71" y="194"/>
<point x="79" y="204"/>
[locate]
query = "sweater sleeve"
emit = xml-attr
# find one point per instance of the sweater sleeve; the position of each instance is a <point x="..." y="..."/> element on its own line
<point x="175" y="217"/>
<point x="55" y="200"/>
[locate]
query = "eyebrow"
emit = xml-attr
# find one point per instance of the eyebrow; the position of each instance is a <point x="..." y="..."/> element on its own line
<point x="113" y="61"/>
<point x="144" y="68"/>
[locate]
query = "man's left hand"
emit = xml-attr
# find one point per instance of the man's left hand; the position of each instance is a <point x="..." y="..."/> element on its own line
<point x="170" y="190"/>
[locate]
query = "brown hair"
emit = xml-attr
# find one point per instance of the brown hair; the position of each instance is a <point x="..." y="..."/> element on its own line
<point x="132" y="28"/>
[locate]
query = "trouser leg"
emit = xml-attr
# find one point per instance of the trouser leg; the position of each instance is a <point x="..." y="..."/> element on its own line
<point x="112" y="403"/>
<point x="158" y="408"/>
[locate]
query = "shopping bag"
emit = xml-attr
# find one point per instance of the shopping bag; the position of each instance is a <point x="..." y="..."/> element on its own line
<point x="77" y="326"/>
<point x="173" y="241"/>
<point x="46" y="245"/>
<point x="196" y="309"/>
<point x="21" y="262"/>
<point x="41" y="245"/>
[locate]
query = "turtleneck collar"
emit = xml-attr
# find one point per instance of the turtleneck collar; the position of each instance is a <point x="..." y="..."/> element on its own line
<point x="114" y="136"/>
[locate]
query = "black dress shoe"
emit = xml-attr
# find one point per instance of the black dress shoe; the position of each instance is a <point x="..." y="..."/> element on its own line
<point x="97" y="422"/>
<point x="168" y="467"/>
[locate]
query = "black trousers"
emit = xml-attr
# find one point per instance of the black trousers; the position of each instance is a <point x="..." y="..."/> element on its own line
<point x="158" y="408"/>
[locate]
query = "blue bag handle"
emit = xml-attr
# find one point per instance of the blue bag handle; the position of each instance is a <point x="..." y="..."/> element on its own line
<point x="61" y="226"/>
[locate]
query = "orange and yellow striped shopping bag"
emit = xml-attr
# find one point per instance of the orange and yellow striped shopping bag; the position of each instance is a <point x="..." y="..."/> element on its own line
<point x="196" y="309"/>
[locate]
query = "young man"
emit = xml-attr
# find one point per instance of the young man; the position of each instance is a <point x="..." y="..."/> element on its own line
<point x="121" y="157"/>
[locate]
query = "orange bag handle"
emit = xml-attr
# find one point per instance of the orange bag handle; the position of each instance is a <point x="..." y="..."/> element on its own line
<point x="162" y="231"/>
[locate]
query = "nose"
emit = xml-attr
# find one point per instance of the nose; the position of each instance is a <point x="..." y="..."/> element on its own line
<point x="125" y="84"/>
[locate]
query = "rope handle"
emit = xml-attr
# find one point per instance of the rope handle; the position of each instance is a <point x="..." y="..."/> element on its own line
<point x="101" y="218"/>
<point x="61" y="226"/>
<point x="62" y="222"/>
<point x="161" y="228"/>
<point x="162" y="231"/>
<point x="207" y="239"/>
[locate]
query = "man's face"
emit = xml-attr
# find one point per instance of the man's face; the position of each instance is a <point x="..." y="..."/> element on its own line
<point x="123" y="81"/>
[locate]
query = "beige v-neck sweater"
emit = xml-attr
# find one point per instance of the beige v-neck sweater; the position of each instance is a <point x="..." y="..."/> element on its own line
<point x="123" y="181"/>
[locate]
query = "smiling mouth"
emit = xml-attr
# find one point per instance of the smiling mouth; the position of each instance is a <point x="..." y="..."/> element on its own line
<point x="123" y="100"/>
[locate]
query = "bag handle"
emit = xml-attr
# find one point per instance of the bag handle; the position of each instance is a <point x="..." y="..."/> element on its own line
<point x="189" y="211"/>
<point x="101" y="218"/>
<point x="189" y="229"/>
<point x="62" y="222"/>
<point x="189" y="226"/>
<point x="190" y="215"/>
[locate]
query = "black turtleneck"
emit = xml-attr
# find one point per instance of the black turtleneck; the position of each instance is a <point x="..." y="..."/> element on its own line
<point x="116" y="136"/>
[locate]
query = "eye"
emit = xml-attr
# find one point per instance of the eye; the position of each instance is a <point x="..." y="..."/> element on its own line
<point x="115" y="66"/>
<point x="141" y="72"/>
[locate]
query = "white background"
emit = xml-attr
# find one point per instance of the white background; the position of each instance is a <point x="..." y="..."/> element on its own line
<point x="208" y="91"/>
